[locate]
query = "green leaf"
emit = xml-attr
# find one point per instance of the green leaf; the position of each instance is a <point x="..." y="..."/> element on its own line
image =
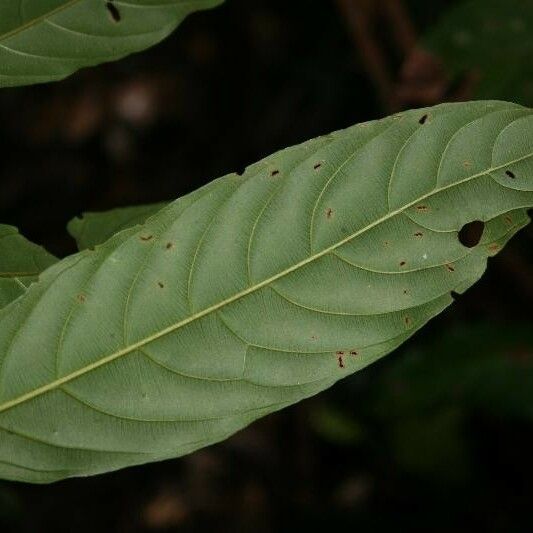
<point x="21" y="262"/>
<point x="256" y="291"/>
<point x="47" y="40"/>
<point x="481" y="37"/>
<point x="92" y="229"/>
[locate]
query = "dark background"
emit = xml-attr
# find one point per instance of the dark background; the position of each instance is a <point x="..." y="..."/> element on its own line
<point x="435" y="437"/>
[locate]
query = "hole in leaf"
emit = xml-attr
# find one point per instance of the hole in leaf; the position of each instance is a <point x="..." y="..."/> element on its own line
<point x="455" y="295"/>
<point x="423" y="119"/>
<point x="317" y="166"/>
<point x="470" y="234"/>
<point x="113" y="11"/>
<point x="510" y="174"/>
<point x="274" y="173"/>
<point x="402" y="263"/>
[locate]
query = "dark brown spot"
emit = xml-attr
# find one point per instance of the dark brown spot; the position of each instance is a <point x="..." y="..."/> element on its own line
<point x="113" y="11"/>
<point x="510" y="174"/>
<point x="508" y="219"/>
<point x="470" y="234"/>
<point x="386" y="243"/>
<point x="146" y="238"/>
<point x="450" y="268"/>
<point x="161" y="285"/>
<point x="408" y="321"/>
<point x="353" y="352"/>
<point x="422" y="208"/>
<point x="402" y="263"/>
<point x="406" y="291"/>
<point x="419" y="234"/>
<point x="169" y="245"/>
<point x="274" y="173"/>
<point x="494" y="247"/>
<point x="340" y="359"/>
<point x="81" y="298"/>
<point x="329" y="213"/>
<point x="423" y="119"/>
<point x="317" y="166"/>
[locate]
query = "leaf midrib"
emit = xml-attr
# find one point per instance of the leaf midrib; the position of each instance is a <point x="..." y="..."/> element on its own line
<point x="174" y="327"/>
<point x="37" y="20"/>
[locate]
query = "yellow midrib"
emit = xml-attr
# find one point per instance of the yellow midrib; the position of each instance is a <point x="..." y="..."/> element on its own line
<point x="170" y="329"/>
<point x="37" y="20"/>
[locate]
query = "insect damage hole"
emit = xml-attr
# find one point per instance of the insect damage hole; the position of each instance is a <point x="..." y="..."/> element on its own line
<point x="470" y="234"/>
<point x="511" y="174"/>
<point x="423" y="119"/>
<point x="318" y="165"/>
<point x="274" y="173"/>
<point x="113" y="11"/>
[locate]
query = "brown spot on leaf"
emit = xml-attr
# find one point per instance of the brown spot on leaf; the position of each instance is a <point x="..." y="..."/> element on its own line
<point x="449" y="267"/>
<point x="423" y="119"/>
<point x="422" y="208"/>
<point x="82" y="298"/>
<point x="161" y="285"/>
<point x="146" y="238"/>
<point x="407" y="321"/>
<point x="274" y="173"/>
<point x="169" y="245"/>
<point x="510" y="174"/>
<point x="509" y="220"/>
<point x="340" y="359"/>
<point x="353" y="352"/>
<point x="113" y="11"/>
<point x="329" y="213"/>
<point x="467" y="164"/>
<point x="419" y="234"/>
<point x="494" y="247"/>
<point x="402" y="263"/>
<point x="317" y="165"/>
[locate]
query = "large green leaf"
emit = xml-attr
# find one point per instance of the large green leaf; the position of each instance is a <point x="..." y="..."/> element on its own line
<point x="95" y="228"/>
<point x="21" y="262"/>
<point x="256" y="291"/>
<point x="47" y="40"/>
<point x="494" y="41"/>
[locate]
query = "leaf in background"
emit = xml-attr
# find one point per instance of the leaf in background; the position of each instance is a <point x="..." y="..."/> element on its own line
<point x="92" y="229"/>
<point x="492" y="40"/>
<point x="21" y="262"/>
<point x="47" y="40"/>
<point x="256" y="291"/>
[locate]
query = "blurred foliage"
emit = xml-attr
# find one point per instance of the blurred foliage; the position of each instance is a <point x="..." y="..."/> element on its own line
<point x="491" y="40"/>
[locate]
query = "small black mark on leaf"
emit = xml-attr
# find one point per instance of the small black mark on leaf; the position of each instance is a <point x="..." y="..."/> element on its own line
<point x="407" y="320"/>
<point x="406" y="291"/>
<point x="470" y="234"/>
<point x="422" y="208"/>
<point x="169" y="245"/>
<point x="146" y="238"/>
<point x="329" y="213"/>
<point x="402" y="263"/>
<point x="340" y="359"/>
<point x="113" y="11"/>
<point x="510" y="174"/>
<point x="419" y="234"/>
<point x="274" y="173"/>
<point x="450" y="268"/>
<point x="317" y="165"/>
<point x="423" y="119"/>
<point x="161" y="285"/>
<point x="81" y="298"/>
<point x="353" y="352"/>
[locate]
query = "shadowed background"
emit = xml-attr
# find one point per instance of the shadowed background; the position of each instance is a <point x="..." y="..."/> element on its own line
<point x="435" y="437"/>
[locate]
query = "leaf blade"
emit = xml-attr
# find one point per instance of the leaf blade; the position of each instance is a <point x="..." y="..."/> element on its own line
<point x="236" y="318"/>
<point x="43" y="41"/>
